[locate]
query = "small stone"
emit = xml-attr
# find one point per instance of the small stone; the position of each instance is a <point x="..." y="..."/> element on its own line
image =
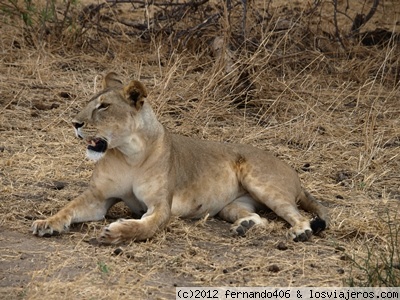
<point x="40" y="106"/>
<point x="281" y="246"/>
<point x="339" y="249"/>
<point x="273" y="268"/>
<point x="345" y="257"/>
<point x="130" y="255"/>
<point x="93" y="242"/>
<point x="65" y="95"/>
<point x="54" y="185"/>
<point x="58" y="185"/>
<point x="118" y="251"/>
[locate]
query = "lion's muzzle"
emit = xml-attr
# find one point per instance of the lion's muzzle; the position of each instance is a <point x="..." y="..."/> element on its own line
<point x="97" y="145"/>
<point x="94" y="144"/>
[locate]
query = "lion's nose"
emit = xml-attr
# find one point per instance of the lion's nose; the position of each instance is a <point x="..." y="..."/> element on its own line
<point x="77" y="124"/>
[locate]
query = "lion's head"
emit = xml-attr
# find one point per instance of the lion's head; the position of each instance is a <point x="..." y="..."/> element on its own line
<point x="111" y="116"/>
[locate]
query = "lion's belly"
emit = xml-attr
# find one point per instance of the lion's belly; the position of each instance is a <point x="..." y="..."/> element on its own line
<point x="207" y="196"/>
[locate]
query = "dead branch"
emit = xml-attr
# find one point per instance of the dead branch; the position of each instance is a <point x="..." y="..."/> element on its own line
<point x="337" y="31"/>
<point x="160" y="4"/>
<point x="360" y="19"/>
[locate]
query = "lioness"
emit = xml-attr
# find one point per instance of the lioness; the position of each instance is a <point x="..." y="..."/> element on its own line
<point x="159" y="175"/>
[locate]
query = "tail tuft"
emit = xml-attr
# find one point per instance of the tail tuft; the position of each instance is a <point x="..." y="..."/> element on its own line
<point x="317" y="225"/>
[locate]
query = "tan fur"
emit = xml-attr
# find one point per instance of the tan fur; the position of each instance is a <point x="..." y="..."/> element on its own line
<point x="159" y="174"/>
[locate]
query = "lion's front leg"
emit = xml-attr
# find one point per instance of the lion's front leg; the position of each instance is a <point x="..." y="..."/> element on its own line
<point x="89" y="206"/>
<point x="138" y="230"/>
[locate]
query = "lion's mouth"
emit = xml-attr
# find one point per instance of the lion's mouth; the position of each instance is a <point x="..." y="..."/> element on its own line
<point x="97" y="145"/>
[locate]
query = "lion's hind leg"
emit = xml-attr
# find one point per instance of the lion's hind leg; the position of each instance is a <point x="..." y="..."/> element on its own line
<point x="241" y="212"/>
<point x="283" y="203"/>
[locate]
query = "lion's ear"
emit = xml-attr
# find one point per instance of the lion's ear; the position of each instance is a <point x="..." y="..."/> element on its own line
<point x="111" y="80"/>
<point x="135" y="92"/>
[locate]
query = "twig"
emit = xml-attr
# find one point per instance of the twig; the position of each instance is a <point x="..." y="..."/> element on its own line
<point x="65" y="16"/>
<point x="244" y="19"/>
<point x="313" y="8"/>
<point x="196" y="28"/>
<point x="337" y="32"/>
<point x="361" y="20"/>
<point x="196" y="4"/>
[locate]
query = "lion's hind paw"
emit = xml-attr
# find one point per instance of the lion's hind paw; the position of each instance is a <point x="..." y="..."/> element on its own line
<point x="303" y="237"/>
<point x="241" y="226"/>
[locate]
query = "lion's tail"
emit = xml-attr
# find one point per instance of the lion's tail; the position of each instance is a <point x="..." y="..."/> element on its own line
<point x="310" y="204"/>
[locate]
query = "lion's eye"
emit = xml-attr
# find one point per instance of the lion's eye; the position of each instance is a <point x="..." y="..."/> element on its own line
<point x="103" y="106"/>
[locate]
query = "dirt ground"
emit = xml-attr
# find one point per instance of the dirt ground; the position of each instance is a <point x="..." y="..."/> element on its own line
<point x="333" y="116"/>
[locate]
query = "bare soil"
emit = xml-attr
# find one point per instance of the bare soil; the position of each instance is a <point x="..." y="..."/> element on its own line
<point x="333" y="116"/>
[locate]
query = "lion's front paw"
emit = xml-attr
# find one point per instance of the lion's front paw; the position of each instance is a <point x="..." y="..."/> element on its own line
<point x="48" y="227"/>
<point x="112" y="234"/>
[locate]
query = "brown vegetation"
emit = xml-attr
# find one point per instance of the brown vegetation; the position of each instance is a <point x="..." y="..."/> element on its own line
<point x="285" y="78"/>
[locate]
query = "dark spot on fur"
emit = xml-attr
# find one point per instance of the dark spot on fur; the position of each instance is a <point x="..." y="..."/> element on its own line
<point x="134" y="96"/>
<point x="239" y="162"/>
<point x="317" y="225"/>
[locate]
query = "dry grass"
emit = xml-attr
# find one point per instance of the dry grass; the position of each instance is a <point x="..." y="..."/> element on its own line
<point x="333" y="117"/>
